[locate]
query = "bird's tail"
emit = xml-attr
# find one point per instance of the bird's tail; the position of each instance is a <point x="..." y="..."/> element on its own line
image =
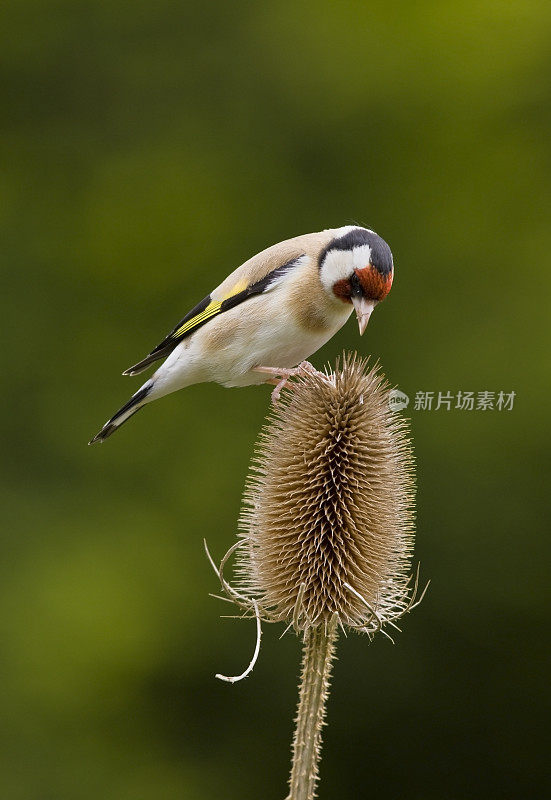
<point x="136" y="402"/>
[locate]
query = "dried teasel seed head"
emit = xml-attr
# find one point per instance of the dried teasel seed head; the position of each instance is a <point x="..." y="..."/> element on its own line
<point x="328" y="515"/>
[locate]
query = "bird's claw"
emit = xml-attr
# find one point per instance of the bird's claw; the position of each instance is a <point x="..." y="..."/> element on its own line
<point x="277" y="391"/>
<point x="281" y="376"/>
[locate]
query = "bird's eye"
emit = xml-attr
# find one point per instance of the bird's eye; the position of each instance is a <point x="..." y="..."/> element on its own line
<point x="355" y="286"/>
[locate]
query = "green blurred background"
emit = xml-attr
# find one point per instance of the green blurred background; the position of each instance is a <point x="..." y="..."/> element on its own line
<point x="148" y="148"/>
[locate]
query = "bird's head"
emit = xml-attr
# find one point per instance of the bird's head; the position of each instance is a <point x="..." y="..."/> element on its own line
<point x="356" y="267"/>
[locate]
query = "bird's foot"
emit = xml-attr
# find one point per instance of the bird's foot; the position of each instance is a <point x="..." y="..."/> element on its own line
<point x="280" y="376"/>
<point x="279" y="385"/>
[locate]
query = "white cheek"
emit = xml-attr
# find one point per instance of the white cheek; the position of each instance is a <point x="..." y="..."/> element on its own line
<point x="339" y="265"/>
<point x="361" y="256"/>
<point x="335" y="267"/>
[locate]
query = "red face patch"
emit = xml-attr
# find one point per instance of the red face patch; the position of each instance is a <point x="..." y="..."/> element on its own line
<point x="343" y="290"/>
<point x="374" y="285"/>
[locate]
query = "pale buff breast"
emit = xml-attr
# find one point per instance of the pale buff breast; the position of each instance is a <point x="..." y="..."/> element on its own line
<point x="276" y="329"/>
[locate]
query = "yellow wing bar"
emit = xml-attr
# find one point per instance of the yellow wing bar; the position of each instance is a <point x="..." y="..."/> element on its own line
<point x="211" y="310"/>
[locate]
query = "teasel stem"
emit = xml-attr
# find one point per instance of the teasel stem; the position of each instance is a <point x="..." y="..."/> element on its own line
<point x="326" y="531"/>
<point x="317" y="658"/>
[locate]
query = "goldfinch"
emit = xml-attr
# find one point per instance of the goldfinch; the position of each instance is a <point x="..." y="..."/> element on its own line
<point x="269" y="315"/>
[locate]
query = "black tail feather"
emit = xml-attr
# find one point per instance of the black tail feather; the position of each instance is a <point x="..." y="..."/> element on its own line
<point x="111" y="425"/>
<point x="143" y="364"/>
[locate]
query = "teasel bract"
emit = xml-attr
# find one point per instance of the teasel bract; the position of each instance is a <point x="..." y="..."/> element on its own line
<point x="326" y="530"/>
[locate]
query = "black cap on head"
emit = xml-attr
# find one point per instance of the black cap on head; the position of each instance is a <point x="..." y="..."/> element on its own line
<point x="381" y="255"/>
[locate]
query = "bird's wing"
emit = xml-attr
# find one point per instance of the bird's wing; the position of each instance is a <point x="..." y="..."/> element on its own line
<point x="248" y="280"/>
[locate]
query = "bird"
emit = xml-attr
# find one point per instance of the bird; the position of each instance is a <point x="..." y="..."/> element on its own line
<point x="268" y="316"/>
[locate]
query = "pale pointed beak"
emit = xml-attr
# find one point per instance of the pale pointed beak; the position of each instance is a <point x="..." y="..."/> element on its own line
<point x="363" y="309"/>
